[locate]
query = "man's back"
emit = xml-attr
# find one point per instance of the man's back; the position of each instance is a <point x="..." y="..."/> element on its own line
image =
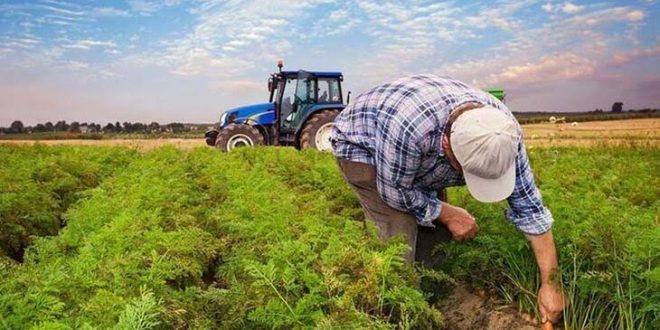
<point x="419" y="103"/>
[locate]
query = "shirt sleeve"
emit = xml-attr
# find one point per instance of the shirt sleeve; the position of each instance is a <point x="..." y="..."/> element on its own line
<point x="398" y="157"/>
<point x="527" y="211"/>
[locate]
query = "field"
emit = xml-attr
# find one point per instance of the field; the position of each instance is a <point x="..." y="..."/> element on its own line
<point x="111" y="237"/>
<point x="643" y="132"/>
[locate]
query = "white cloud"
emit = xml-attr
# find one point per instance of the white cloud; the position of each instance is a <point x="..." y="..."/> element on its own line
<point x="635" y="54"/>
<point x="238" y="86"/>
<point x="635" y="15"/>
<point x="571" y="8"/>
<point x="88" y="44"/>
<point x="548" y="7"/>
<point x="148" y="7"/>
<point x="76" y="65"/>
<point x="551" y="67"/>
<point x="63" y="11"/>
<point x="109" y="12"/>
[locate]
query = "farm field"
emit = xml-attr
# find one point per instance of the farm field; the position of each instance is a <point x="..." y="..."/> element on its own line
<point x="106" y="236"/>
<point x="586" y="134"/>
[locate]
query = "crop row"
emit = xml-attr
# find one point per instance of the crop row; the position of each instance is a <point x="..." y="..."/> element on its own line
<point x="209" y="240"/>
<point x="38" y="184"/>
<point x="274" y="238"/>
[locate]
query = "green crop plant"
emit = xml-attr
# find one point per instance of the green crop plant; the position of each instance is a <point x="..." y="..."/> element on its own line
<point x="39" y="183"/>
<point x="275" y="239"/>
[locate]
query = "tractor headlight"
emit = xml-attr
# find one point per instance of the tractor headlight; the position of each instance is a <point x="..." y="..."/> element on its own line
<point x="223" y="119"/>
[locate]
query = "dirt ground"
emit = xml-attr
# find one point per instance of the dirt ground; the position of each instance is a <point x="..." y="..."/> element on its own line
<point x="464" y="310"/>
<point x="630" y="132"/>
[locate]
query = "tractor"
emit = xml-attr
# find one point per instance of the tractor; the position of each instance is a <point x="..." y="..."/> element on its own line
<point x="300" y="112"/>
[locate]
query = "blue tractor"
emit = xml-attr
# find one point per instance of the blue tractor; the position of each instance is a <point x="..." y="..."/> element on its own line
<point x="300" y="113"/>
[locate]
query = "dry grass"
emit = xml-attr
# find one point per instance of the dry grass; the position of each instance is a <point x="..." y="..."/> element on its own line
<point x="629" y="132"/>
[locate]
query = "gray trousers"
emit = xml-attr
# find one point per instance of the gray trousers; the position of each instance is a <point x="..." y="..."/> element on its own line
<point x="390" y="221"/>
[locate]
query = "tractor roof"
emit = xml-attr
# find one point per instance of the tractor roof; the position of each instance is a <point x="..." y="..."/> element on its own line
<point x="322" y="74"/>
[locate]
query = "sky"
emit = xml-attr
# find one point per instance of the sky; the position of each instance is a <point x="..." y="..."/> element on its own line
<point x="188" y="61"/>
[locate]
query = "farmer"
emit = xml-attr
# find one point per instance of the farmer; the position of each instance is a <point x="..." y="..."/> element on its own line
<point x="399" y="144"/>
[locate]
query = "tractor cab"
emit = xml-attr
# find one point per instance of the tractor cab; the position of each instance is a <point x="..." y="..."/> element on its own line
<point x="298" y="94"/>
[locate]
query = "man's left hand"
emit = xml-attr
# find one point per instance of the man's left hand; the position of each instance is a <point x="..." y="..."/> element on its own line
<point x="551" y="302"/>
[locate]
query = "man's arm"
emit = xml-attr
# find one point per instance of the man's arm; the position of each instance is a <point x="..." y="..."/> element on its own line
<point x="531" y="217"/>
<point x="550" y="299"/>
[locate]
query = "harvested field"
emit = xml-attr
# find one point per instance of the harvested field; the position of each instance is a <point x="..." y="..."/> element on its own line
<point x="637" y="132"/>
<point x="629" y="132"/>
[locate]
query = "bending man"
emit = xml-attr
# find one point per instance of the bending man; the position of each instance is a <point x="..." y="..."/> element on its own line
<point x="400" y="143"/>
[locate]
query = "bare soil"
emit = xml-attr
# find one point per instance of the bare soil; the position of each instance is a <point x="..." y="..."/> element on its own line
<point x="629" y="132"/>
<point x="464" y="310"/>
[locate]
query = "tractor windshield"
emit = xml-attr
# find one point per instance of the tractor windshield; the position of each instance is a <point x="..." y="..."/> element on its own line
<point x="287" y="97"/>
<point x="305" y="89"/>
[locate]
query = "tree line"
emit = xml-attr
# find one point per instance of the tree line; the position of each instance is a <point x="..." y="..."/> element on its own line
<point x="17" y="127"/>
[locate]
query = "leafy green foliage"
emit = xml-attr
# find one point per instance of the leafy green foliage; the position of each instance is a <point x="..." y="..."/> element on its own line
<point x="210" y="240"/>
<point x="274" y="238"/>
<point x="39" y="183"/>
<point x="605" y="202"/>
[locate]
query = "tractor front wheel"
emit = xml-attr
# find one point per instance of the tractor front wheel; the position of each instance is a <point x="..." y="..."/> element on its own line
<point x="237" y="136"/>
<point x="317" y="131"/>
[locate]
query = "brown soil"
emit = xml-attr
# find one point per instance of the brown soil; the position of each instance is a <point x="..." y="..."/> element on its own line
<point x="465" y="310"/>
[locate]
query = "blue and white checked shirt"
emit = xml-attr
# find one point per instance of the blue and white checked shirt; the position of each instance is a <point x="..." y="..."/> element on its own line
<point x="398" y="127"/>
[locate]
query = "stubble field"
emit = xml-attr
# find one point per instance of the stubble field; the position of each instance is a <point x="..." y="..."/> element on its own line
<point x="645" y="132"/>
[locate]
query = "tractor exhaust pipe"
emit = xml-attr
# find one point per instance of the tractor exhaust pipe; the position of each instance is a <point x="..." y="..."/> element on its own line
<point x="280" y="65"/>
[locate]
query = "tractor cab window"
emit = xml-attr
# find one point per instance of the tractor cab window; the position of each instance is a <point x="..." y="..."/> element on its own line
<point x="305" y="89"/>
<point x="329" y="91"/>
<point x="288" y="96"/>
<point x="305" y="95"/>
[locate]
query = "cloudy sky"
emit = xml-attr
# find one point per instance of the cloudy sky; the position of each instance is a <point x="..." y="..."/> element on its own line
<point x="178" y="60"/>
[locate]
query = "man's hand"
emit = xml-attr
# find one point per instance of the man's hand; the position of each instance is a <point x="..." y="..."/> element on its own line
<point x="551" y="302"/>
<point x="550" y="298"/>
<point x="459" y="222"/>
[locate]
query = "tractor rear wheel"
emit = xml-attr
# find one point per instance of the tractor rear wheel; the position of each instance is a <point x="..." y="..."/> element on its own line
<point x="237" y="136"/>
<point x="317" y="130"/>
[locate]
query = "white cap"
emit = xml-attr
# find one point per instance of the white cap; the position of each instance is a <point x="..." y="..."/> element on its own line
<point x="485" y="143"/>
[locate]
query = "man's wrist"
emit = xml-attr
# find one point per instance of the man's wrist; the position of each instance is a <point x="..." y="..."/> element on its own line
<point x="445" y="210"/>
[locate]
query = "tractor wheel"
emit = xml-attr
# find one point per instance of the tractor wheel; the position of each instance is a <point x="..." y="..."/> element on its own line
<point x="238" y="135"/>
<point x="317" y="130"/>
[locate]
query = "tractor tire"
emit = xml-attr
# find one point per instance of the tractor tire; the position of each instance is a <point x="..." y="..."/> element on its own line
<point x="237" y="136"/>
<point x="316" y="132"/>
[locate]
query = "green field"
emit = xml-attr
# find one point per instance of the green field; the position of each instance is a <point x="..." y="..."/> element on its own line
<point x="272" y="238"/>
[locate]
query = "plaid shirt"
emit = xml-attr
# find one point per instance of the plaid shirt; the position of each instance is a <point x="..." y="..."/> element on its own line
<point x="398" y="128"/>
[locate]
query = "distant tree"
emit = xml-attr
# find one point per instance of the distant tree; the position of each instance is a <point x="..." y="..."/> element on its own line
<point x="617" y="107"/>
<point x="16" y="127"/>
<point x="49" y="126"/>
<point x="109" y="128"/>
<point x="74" y="127"/>
<point x="40" y="128"/>
<point x="61" y="126"/>
<point x="117" y="127"/>
<point x="127" y="127"/>
<point x="154" y="127"/>
<point x="139" y="127"/>
<point x="176" y="127"/>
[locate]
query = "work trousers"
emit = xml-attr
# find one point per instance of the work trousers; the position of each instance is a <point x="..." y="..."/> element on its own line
<point x="390" y="221"/>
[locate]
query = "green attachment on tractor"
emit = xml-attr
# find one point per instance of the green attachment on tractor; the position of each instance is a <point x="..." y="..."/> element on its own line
<point x="498" y="93"/>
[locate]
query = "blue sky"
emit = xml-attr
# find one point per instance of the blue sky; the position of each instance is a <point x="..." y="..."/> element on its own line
<point x="178" y="60"/>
